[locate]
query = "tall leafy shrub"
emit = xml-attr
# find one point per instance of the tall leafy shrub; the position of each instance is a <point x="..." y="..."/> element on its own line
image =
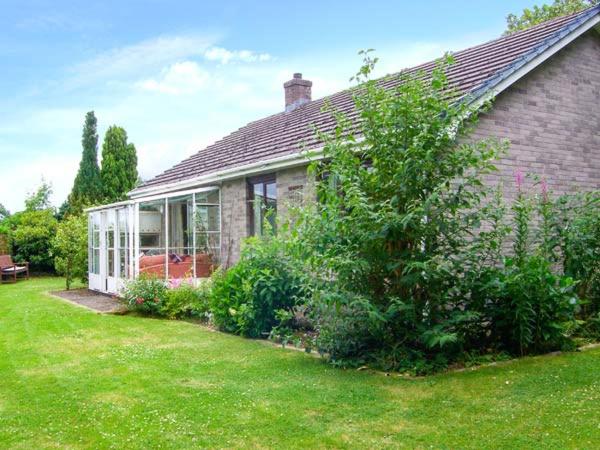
<point x="70" y="249"/>
<point x="398" y="204"/>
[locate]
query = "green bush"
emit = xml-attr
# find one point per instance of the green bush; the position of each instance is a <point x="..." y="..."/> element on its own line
<point x="31" y="234"/>
<point x="533" y="308"/>
<point x="145" y="294"/>
<point x="184" y="300"/>
<point x="70" y="249"/>
<point x="245" y="298"/>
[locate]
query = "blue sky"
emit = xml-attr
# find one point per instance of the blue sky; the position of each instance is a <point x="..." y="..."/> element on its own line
<point x="178" y="75"/>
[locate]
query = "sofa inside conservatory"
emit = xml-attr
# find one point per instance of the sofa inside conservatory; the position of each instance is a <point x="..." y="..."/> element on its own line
<point x="172" y="236"/>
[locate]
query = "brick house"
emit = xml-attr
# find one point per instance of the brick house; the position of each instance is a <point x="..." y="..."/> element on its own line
<point x="546" y="84"/>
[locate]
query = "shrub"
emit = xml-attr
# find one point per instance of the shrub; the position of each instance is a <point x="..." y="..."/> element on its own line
<point x="578" y="238"/>
<point x="533" y="308"/>
<point x="184" y="300"/>
<point x="145" y="294"/>
<point x="245" y="298"/>
<point x="31" y="235"/>
<point x="345" y="328"/>
<point x="70" y="249"/>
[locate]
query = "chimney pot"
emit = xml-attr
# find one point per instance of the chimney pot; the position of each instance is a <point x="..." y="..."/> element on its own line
<point x="297" y="92"/>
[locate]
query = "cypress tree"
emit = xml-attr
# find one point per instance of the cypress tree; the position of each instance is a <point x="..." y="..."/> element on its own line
<point x="119" y="165"/>
<point x="87" y="188"/>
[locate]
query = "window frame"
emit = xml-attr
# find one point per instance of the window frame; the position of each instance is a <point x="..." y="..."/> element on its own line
<point x="270" y="178"/>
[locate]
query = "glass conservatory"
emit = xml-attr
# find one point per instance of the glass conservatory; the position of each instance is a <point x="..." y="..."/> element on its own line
<point x="172" y="236"/>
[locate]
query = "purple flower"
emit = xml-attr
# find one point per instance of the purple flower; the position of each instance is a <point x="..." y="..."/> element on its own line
<point x="544" y="184"/>
<point x="519" y="178"/>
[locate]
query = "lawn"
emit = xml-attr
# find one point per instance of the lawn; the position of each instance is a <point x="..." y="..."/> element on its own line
<point x="70" y="378"/>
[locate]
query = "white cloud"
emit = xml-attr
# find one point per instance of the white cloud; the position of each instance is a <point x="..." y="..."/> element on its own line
<point x="180" y="78"/>
<point x="224" y="56"/>
<point x="133" y="60"/>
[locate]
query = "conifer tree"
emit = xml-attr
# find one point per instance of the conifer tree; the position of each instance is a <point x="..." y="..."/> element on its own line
<point x="87" y="188"/>
<point x="119" y="165"/>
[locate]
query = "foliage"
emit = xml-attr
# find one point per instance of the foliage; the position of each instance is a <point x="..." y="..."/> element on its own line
<point x="70" y="249"/>
<point x="40" y="198"/>
<point x="577" y="239"/>
<point x="146" y="294"/>
<point x="4" y="213"/>
<point x="532" y="307"/>
<point x="183" y="300"/>
<point x="31" y="233"/>
<point x="4" y="245"/>
<point x="539" y="14"/>
<point x="119" y="165"/>
<point x="87" y="187"/>
<point x="245" y="298"/>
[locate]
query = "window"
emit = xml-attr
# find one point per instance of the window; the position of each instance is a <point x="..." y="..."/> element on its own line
<point x="95" y="244"/>
<point x="262" y="194"/>
<point x="181" y="238"/>
<point x="152" y="239"/>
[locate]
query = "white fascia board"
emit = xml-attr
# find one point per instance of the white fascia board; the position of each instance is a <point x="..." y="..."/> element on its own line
<point x="108" y="206"/>
<point x="177" y="193"/>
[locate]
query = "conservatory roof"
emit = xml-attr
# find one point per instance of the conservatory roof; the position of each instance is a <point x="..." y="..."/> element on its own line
<point x="479" y="71"/>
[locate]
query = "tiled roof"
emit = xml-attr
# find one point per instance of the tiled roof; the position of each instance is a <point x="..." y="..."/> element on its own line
<point x="474" y="71"/>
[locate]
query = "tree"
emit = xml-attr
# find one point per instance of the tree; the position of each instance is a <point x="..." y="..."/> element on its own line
<point x="31" y="233"/>
<point x="70" y="249"/>
<point x="119" y="165"/>
<point x="4" y="213"/>
<point x="539" y="14"/>
<point x="40" y="199"/>
<point x="87" y="188"/>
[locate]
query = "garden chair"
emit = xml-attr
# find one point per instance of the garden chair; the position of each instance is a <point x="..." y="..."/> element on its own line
<point x="10" y="270"/>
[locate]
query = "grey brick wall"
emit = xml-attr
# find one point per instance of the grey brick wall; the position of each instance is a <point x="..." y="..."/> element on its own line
<point x="234" y="219"/>
<point x="551" y="117"/>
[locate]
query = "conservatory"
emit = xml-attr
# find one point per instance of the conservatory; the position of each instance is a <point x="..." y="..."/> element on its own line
<point x="172" y="236"/>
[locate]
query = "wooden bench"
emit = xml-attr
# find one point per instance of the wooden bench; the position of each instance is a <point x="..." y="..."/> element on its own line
<point x="10" y="270"/>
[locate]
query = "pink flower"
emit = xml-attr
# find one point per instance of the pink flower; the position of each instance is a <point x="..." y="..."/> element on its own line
<point x="174" y="283"/>
<point x="519" y="178"/>
<point x="139" y="300"/>
<point x="544" y="189"/>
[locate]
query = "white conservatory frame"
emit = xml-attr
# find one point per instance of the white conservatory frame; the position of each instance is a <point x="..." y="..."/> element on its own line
<point x="113" y="259"/>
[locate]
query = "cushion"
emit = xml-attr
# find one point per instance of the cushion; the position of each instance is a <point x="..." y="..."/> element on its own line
<point x="13" y="269"/>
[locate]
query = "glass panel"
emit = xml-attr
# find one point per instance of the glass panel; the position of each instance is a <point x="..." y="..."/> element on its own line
<point x="264" y="205"/>
<point x="271" y="204"/>
<point x="208" y="233"/>
<point x="123" y="248"/>
<point x="211" y="197"/>
<point x="95" y="244"/>
<point x="152" y="258"/>
<point x="110" y="249"/>
<point x="181" y="238"/>
<point x="207" y="218"/>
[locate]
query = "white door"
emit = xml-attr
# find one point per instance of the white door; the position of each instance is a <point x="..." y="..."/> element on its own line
<point x="96" y="282"/>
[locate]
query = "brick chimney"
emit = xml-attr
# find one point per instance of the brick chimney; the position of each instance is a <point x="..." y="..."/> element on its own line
<point x="297" y="92"/>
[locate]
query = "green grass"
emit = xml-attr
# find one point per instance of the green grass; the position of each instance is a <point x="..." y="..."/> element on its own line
<point x="70" y="378"/>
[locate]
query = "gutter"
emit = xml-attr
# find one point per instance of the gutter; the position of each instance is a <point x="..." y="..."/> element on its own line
<point x="287" y="161"/>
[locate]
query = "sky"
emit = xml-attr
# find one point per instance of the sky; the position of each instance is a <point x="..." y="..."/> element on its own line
<point x="179" y="75"/>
